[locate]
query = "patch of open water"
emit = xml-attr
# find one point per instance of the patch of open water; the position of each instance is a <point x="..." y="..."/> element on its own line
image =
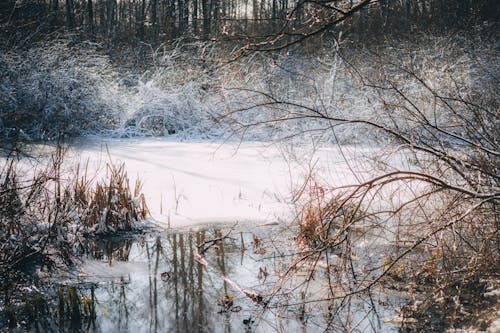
<point x="210" y="279"/>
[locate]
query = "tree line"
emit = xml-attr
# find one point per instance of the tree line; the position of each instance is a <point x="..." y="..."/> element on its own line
<point x="156" y="21"/>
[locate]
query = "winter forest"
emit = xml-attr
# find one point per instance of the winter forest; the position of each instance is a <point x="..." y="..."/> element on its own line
<point x="249" y="166"/>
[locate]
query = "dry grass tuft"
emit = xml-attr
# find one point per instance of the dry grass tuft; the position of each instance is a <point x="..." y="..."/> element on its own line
<point x="113" y="204"/>
<point x="325" y="217"/>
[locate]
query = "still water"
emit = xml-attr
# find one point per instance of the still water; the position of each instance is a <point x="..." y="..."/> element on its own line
<point x="209" y="279"/>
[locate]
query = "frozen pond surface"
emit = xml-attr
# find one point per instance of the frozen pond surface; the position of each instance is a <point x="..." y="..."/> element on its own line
<point x="188" y="183"/>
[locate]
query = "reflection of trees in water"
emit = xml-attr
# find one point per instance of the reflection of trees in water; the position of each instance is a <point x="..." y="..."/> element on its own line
<point x="109" y="248"/>
<point x="200" y="238"/>
<point x="164" y="286"/>
<point x="178" y="293"/>
<point x="196" y="298"/>
<point x="188" y="295"/>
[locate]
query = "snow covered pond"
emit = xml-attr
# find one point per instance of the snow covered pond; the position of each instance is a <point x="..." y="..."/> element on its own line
<point x="190" y="183"/>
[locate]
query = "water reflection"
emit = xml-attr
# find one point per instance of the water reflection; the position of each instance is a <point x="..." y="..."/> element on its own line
<point x="201" y="281"/>
<point x="154" y="283"/>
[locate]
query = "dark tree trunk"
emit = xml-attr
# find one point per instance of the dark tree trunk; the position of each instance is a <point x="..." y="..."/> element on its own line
<point x="206" y="18"/>
<point x="54" y="20"/>
<point x="70" y="19"/>
<point x="194" y="17"/>
<point x="111" y="19"/>
<point x="180" y="6"/>
<point x="90" y="16"/>
<point x="216" y="16"/>
<point x="154" y="19"/>
<point x="173" y="19"/>
<point x="255" y="9"/>
<point x="185" y="15"/>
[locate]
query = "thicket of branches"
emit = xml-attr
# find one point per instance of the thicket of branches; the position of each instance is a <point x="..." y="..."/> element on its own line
<point x="57" y="91"/>
<point x="431" y="108"/>
<point x="47" y="86"/>
<point x="53" y="92"/>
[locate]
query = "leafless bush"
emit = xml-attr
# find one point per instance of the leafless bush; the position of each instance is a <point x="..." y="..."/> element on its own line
<point x="326" y="220"/>
<point x="432" y="216"/>
<point x="46" y="88"/>
<point x="33" y="222"/>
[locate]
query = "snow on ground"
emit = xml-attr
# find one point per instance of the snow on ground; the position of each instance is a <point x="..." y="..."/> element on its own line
<point x="189" y="183"/>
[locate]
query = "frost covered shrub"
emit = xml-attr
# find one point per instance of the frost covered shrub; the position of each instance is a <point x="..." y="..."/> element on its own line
<point x="159" y="111"/>
<point x="431" y="77"/>
<point x="173" y="95"/>
<point x="55" y="90"/>
<point x="430" y="82"/>
<point x="284" y="96"/>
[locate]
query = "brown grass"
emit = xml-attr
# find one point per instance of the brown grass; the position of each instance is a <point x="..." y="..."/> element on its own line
<point x="42" y="217"/>
<point x="325" y="217"/>
<point x="112" y="204"/>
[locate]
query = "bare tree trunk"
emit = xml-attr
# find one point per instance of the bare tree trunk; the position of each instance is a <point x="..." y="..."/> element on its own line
<point x="70" y="19"/>
<point x="255" y="15"/>
<point x="284" y="9"/>
<point x="274" y="14"/>
<point x="139" y="19"/>
<point x="180" y="6"/>
<point x="216" y="16"/>
<point x="298" y="14"/>
<point x="194" y="18"/>
<point x="173" y="19"/>
<point x="206" y="4"/>
<point x="90" y="16"/>
<point x="111" y="19"/>
<point x="154" y="19"/>
<point x="54" y="21"/>
<point x="185" y="15"/>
